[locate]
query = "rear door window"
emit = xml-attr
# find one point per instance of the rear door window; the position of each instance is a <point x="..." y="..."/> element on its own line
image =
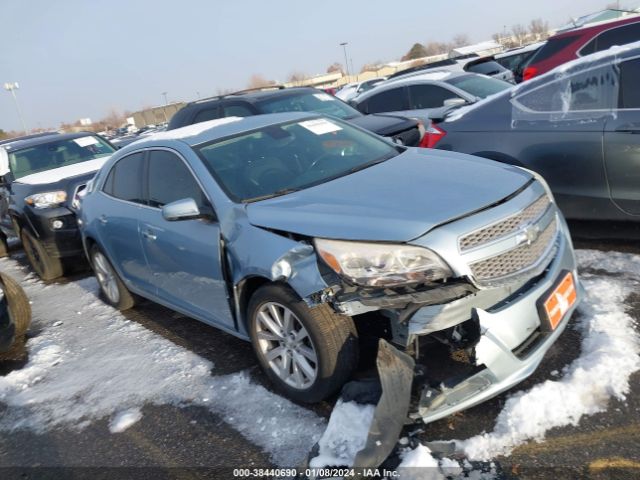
<point x="391" y="100"/>
<point x="237" y="110"/>
<point x="125" y="179"/>
<point x="170" y="180"/>
<point x="629" y="96"/>
<point x="592" y="90"/>
<point x="429" y="96"/>
<point x="616" y="36"/>
<point x="207" y="114"/>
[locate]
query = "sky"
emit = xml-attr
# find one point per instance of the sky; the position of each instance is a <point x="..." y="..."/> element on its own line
<point x="83" y="58"/>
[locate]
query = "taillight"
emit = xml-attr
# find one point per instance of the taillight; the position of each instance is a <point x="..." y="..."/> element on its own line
<point x="529" y="73"/>
<point x="432" y="136"/>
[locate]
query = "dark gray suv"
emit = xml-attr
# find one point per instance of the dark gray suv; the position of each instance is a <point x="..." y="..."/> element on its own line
<point x="400" y="130"/>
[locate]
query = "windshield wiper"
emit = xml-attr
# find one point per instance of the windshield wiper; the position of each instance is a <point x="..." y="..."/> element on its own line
<point x="277" y="193"/>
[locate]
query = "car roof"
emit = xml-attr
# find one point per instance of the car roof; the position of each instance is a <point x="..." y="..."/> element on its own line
<point x="212" y="130"/>
<point x="255" y="95"/>
<point x="42" y="140"/>
<point x="425" y="75"/>
<point x="25" y="137"/>
<point x="596" y="27"/>
<point x="431" y="76"/>
<point x="519" y="50"/>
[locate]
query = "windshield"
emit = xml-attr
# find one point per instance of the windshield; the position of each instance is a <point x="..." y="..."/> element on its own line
<point x="278" y="159"/>
<point x="61" y="153"/>
<point x="319" y="102"/>
<point x="479" y="86"/>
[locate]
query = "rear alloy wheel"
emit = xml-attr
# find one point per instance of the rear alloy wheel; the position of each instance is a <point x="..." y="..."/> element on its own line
<point x="308" y="353"/>
<point x="46" y="266"/>
<point x="114" y="291"/>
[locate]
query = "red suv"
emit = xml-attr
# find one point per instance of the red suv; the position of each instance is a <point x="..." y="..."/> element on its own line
<point x="579" y="42"/>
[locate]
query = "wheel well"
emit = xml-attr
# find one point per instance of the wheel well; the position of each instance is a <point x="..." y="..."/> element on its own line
<point x="245" y="289"/>
<point x="88" y="244"/>
<point x="499" y="157"/>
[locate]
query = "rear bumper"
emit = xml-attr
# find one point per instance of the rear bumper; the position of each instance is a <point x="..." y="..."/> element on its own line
<point x="504" y="365"/>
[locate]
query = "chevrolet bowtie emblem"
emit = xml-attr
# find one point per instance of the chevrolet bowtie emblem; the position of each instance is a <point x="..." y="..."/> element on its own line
<point x="528" y="235"/>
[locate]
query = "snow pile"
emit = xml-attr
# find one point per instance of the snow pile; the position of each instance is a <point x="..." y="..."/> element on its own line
<point x="419" y="464"/>
<point x="345" y="436"/>
<point x="609" y="355"/>
<point x="88" y="362"/>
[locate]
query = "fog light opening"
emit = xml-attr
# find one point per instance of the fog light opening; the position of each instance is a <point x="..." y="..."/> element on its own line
<point x="57" y="224"/>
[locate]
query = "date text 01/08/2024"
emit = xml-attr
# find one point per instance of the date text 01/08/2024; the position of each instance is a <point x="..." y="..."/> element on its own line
<point x="317" y="473"/>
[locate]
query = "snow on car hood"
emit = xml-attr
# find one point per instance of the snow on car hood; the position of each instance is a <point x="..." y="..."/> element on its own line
<point x="58" y="174"/>
<point x="397" y="200"/>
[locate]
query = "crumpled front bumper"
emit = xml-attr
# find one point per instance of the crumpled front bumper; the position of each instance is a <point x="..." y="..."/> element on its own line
<point x="500" y="327"/>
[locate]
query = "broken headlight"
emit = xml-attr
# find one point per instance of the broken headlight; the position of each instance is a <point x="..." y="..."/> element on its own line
<point x="380" y="264"/>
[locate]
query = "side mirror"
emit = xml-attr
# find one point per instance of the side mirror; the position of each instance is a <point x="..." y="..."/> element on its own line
<point x="454" y="102"/>
<point x="185" y="209"/>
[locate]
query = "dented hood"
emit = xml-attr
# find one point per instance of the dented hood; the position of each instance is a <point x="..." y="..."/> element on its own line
<point x="396" y="201"/>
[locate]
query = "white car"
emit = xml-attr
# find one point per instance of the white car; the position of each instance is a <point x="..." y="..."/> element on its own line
<point x="352" y="90"/>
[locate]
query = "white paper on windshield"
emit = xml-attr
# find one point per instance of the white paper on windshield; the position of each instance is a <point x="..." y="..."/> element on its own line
<point x="324" y="97"/>
<point x="320" y="126"/>
<point x="86" y="141"/>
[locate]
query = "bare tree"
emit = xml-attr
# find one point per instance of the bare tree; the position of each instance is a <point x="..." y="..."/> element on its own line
<point x="519" y="34"/>
<point x="539" y="29"/>
<point x="258" y="81"/>
<point x="335" y="67"/>
<point x="460" y="40"/>
<point x="296" y="77"/>
<point x="436" y="48"/>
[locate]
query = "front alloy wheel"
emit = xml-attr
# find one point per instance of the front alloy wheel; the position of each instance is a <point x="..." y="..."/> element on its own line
<point x="286" y="345"/>
<point x="308" y="353"/>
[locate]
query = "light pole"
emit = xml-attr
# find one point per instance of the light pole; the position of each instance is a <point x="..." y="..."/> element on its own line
<point x="12" y="87"/>
<point x="164" y="107"/>
<point x="346" y="61"/>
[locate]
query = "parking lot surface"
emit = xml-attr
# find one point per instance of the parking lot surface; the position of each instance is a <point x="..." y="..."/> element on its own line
<point x="174" y="431"/>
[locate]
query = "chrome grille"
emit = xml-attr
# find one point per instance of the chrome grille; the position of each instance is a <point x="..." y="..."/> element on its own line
<point x="505" y="227"/>
<point x="517" y="260"/>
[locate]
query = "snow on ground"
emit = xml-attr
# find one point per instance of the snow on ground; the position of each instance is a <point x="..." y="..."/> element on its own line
<point x="610" y="353"/>
<point x="345" y="436"/>
<point x="89" y="362"/>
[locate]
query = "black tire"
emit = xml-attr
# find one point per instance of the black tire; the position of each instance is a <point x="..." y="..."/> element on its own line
<point x="4" y="246"/>
<point x="46" y="266"/>
<point x="19" y="306"/>
<point x="334" y="339"/>
<point x="124" y="299"/>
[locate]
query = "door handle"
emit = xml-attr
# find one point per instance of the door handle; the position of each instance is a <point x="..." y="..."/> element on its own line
<point x="149" y="235"/>
<point x="103" y="219"/>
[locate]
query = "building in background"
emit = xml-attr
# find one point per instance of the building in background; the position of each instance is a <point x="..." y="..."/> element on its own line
<point x="155" y="115"/>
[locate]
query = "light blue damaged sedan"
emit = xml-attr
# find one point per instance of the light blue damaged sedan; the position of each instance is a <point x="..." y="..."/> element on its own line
<point x="305" y="235"/>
